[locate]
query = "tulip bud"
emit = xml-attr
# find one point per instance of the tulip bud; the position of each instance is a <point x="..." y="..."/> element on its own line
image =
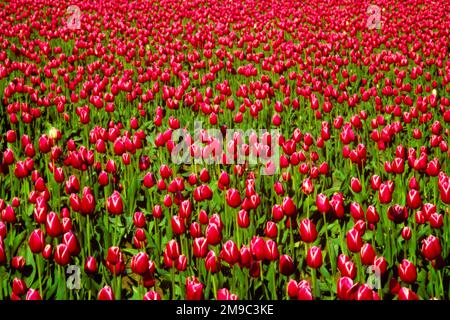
<point x="407" y="271"/>
<point x="212" y="262"/>
<point x="288" y="206"/>
<point x="33" y="295"/>
<point x="152" y="295"/>
<point x="62" y="255"/>
<point x="286" y="265"/>
<point x="344" y="286"/>
<point x="367" y="254"/>
<point x="36" y="241"/>
<point x="213" y="234"/>
<point x="322" y="203"/>
<point x="431" y="248"/>
<point x="140" y="263"/>
<point x="354" y="240"/>
<point x="355" y="184"/>
<point x="115" y="204"/>
<point x="271" y="230"/>
<point x="194" y="289"/>
<point x="292" y="288"/>
<point x="407" y="294"/>
<point x="233" y="198"/>
<point x="314" y="257"/>
<point x="19" y="287"/>
<point x="173" y="249"/>
<point x="106" y="293"/>
<point x="53" y="225"/>
<point x="304" y="291"/>
<point x="308" y="231"/>
<point x="230" y="252"/>
<point x="90" y="266"/>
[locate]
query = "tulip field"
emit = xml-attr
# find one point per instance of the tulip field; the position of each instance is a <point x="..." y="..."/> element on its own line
<point x="224" y="150"/>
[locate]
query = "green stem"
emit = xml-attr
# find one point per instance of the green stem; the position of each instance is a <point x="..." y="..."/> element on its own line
<point x="38" y="265"/>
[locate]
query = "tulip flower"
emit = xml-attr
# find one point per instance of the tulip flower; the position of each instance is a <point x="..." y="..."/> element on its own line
<point x="194" y="289"/>
<point x="106" y="293"/>
<point x="431" y="248"/>
<point x="407" y="271"/>
<point x="115" y="204"/>
<point x="308" y="231"/>
<point x="314" y="257"/>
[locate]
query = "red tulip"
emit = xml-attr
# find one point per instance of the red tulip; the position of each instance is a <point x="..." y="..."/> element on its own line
<point x="406" y="233"/>
<point x="181" y="263"/>
<point x="140" y="263"/>
<point x="178" y="226"/>
<point x="3" y="230"/>
<point x="367" y="254"/>
<point x="18" y="262"/>
<point x="286" y="265"/>
<point x="87" y="203"/>
<point x="431" y="248"/>
<point x="308" y="231"/>
<point x="213" y="234"/>
<point x="115" y="204"/>
<point x="230" y="252"/>
<point x="243" y="219"/>
<point x="375" y="182"/>
<point x="271" y="230"/>
<point x="407" y="294"/>
<point x="407" y="271"/>
<point x="33" y="295"/>
<point x="384" y="194"/>
<point x="343" y="288"/>
<point x="91" y="265"/>
<point x="233" y="198"/>
<point x="292" y="288"/>
<point x="354" y="240"/>
<point x="322" y="203"/>
<point x="212" y="262"/>
<point x="62" y="255"/>
<point x="71" y="241"/>
<point x="372" y="215"/>
<point x="8" y="214"/>
<point x="436" y="220"/>
<point x="304" y="291"/>
<point x="259" y="249"/>
<point x="36" y="241"/>
<point x="355" y="185"/>
<point x="397" y="213"/>
<point x="314" y="257"/>
<point x="139" y="220"/>
<point x="113" y="255"/>
<point x="194" y="289"/>
<point x="53" y="225"/>
<point x="364" y="293"/>
<point x="106" y="293"/>
<point x="356" y="211"/>
<point x="413" y="199"/>
<point x="19" y="287"/>
<point x="288" y="206"/>
<point x="152" y="295"/>
<point x="307" y="186"/>
<point x="173" y="249"/>
<point x="224" y="294"/>
<point x="47" y="252"/>
<point x="272" y="250"/>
